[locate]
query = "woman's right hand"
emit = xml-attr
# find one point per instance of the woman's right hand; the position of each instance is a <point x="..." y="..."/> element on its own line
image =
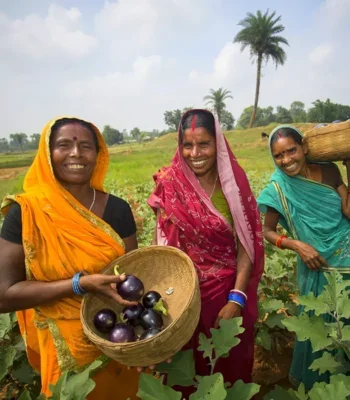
<point x="310" y="256"/>
<point x="105" y="285"/>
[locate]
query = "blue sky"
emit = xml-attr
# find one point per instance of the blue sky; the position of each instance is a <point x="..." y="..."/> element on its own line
<point x="125" y="62"/>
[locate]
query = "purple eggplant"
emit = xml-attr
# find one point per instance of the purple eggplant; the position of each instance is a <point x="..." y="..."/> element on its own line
<point x="151" y="319"/>
<point x="131" y="288"/>
<point x="150" y="333"/>
<point x="104" y="320"/>
<point x="132" y="314"/>
<point x="122" y="333"/>
<point x="153" y="299"/>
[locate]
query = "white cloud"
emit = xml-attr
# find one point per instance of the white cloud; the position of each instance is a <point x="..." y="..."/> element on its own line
<point x="56" y="35"/>
<point x="127" y="23"/>
<point x="116" y="84"/>
<point x="145" y="67"/>
<point x="321" y="54"/>
<point x="131" y="27"/>
<point x="335" y="12"/>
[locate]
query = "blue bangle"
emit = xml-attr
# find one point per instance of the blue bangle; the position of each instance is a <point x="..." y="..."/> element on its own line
<point x="77" y="289"/>
<point x="237" y="298"/>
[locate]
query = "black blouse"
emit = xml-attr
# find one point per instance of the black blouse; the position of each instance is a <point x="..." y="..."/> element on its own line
<point x="117" y="214"/>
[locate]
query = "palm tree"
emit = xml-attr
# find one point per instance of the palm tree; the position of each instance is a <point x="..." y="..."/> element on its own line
<point x="261" y="34"/>
<point x="217" y="99"/>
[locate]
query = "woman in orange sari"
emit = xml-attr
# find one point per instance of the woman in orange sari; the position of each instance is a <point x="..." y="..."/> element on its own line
<point x="62" y="231"/>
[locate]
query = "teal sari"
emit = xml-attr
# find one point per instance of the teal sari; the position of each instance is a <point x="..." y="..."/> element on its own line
<point x="310" y="212"/>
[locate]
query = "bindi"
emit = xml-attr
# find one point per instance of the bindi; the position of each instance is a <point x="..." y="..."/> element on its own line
<point x="75" y="138"/>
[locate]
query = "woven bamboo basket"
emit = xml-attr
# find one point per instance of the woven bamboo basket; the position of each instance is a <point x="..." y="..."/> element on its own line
<point x="329" y="143"/>
<point x="159" y="268"/>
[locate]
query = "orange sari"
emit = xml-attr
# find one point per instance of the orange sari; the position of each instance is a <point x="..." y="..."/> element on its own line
<point x="60" y="238"/>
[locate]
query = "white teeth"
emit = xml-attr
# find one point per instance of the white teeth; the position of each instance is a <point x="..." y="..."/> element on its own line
<point x="290" y="167"/>
<point x="75" y="166"/>
<point x="198" y="163"/>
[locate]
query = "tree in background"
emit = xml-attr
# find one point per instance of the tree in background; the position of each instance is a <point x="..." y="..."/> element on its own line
<point x="4" y="145"/>
<point x="261" y="34"/>
<point x="172" y="119"/>
<point x="227" y="120"/>
<point x="136" y="134"/>
<point x="264" y="116"/>
<point x="216" y="99"/>
<point x="283" y="115"/>
<point x="33" y="144"/>
<point x="326" y="111"/>
<point x="19" y="140"/>
<point x="297" y="111"/>
<point x="112" y="136"/>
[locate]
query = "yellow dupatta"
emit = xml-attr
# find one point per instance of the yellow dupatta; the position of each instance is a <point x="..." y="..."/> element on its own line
<point x="60" y="238"/>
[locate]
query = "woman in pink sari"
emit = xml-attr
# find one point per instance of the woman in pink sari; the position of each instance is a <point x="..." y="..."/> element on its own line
<point x="205" y="207"/>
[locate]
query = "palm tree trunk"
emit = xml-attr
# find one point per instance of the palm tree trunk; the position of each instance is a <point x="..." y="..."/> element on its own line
<point x="257" y="91"/>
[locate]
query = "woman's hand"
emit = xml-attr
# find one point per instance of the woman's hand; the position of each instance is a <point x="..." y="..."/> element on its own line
<point x="105" y="285"/>
<point x="310" y="256"/>
<point x="230" y="310"/>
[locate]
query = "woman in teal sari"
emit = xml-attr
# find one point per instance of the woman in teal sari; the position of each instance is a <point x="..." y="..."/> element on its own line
<point x="311" y="201"/>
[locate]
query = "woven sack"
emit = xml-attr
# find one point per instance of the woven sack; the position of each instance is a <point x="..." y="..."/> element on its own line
<point x="159" y="268"/>
<point x="329" y="143"/>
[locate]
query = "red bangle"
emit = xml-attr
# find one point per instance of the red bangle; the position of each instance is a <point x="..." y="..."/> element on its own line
<point x="279" y="241"/>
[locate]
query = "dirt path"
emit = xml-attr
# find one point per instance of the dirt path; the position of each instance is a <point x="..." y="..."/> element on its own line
<point x="272" y="367"/>
<point x="10" y="173"/>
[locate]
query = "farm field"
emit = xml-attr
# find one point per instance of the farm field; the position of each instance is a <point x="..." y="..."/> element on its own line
<point x="130" y="177"/>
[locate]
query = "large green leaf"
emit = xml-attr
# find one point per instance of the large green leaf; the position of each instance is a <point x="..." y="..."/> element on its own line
<point x="242" y="391"/>
<point x="263" y="339"/>
<point x="210" y="388"/>
<point x="341" y="378"/>
<point x="5" y="325"/>
<point x="312" y="328"/>
<point x="151" y="388"/>
<point x="310" y="302"/>
<point x="23" y="371"/>
<point x="271" y="305"/>
<point x="322" y="391"/>
<point x="275" y="319"/>
<point x="181" y="369"/>
<point x="343" y="307"/>
<point x="281" y="394"/>
<point x="345" y="332"/>
<point x="325" y="363"/>
<point x="206" y="345"/>
<point x="224" y="338"/>
<point x="75" y="386"/>
<point x="7" y="355"/>
<point x="25" y="395"/>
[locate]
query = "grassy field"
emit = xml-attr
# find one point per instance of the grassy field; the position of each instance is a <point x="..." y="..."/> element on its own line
<point x="136" y="163"/>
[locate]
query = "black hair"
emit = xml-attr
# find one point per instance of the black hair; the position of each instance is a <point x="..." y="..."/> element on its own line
<point x="286" y="133"/>
<point x="204" y="119"/>
<point x="65" y="121"/>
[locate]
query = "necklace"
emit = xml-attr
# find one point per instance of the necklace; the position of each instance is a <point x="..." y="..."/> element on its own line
<point x="212" y="192"/>
<point x="93" y="200"/>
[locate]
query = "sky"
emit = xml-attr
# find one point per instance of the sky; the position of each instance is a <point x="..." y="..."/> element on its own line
<point x="124" y="63"/>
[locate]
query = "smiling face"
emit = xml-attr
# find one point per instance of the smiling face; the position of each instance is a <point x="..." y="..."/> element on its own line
<point x="73" y="154"/>
<point x="199" y="150"/>
<point x="289" y="156"/>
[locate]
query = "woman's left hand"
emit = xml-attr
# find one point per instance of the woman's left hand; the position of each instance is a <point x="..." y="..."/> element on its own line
<point x="230" y="310"/>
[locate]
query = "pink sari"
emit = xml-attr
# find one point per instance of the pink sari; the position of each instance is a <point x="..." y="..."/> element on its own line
<point x="187" y="219"/>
